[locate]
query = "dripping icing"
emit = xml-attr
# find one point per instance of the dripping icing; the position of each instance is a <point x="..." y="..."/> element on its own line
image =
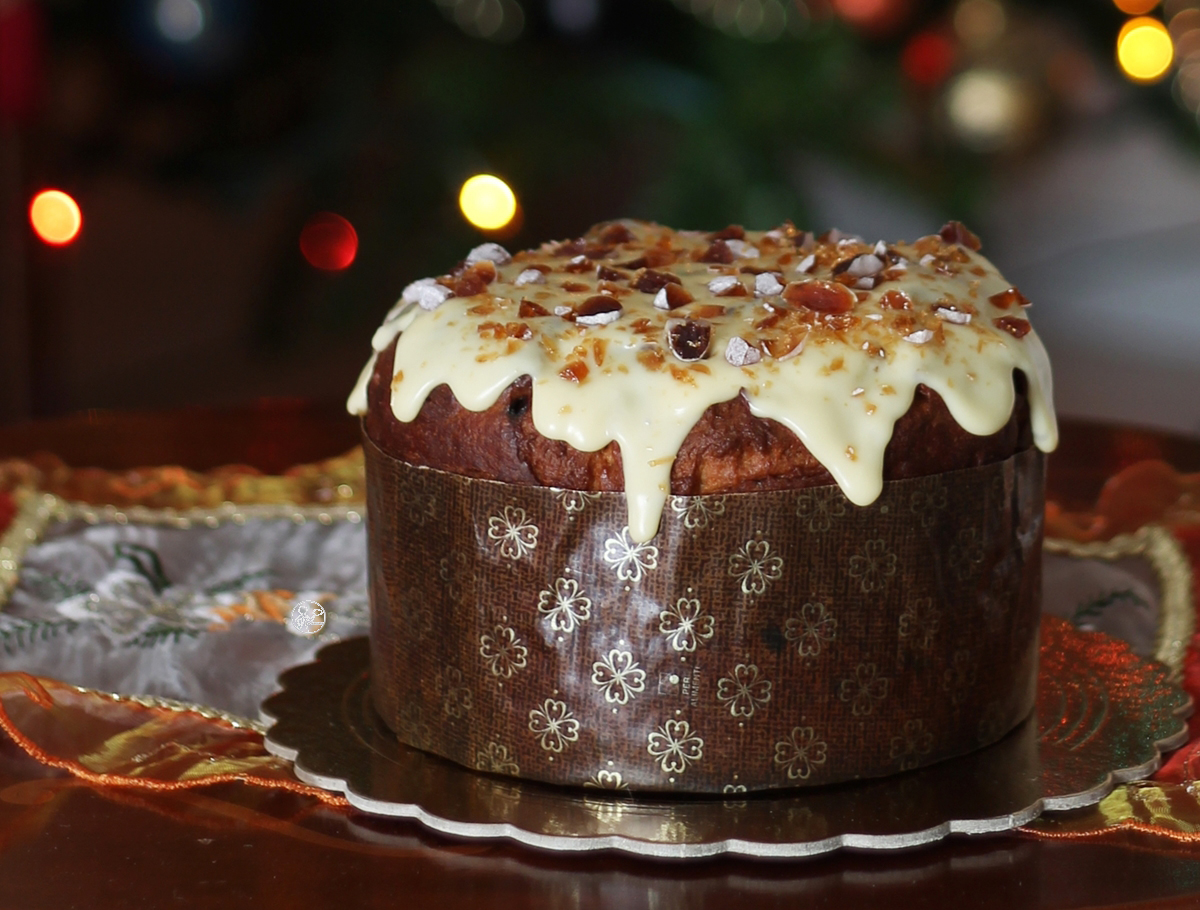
<point x="634" y="391"/>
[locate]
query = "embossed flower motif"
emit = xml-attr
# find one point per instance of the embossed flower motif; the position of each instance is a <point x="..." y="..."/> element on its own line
<point x="618" y="676"/>
<point x="456" y="697"/>
<point x="813" y="628"/>
<point x="959" y="677"/>
<point x="967" y="553"/>
<point x="412" y="723"/>
<point x="565" y="605"/>
<point x="926" y="504"/>
<point x="734" y="788"/>
<point x="754" y="566"/>
<point x="456" y="573"/>
<point x="575" y="500"/>
<point x="743" y="691"/>
<point x="606" y="780"/>
<point x="685" y="625"/>
<point x="495" y="758"/>
<point x="698" y="511"/>
<point x="799" y="752"/>
<point x="919" y="622"/>
<point x="418" y="500"/>
<point x="874" y="566"/>
<point x="554" y="725"/>
<point x="911" y="745"/>
<point x="675" y="746"/>
<point x="866" y="688"/>
<point x="819" y="511"/>
<point x="502" y="651"/>
<point x="630" y="560"/>
<point x="513" y="531"/>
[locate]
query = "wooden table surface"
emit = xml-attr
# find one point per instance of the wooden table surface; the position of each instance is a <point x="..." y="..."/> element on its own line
<point x="65" y="843"/>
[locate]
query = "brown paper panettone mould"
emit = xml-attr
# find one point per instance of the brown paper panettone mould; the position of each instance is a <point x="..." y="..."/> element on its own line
<point x="646" y="631"/>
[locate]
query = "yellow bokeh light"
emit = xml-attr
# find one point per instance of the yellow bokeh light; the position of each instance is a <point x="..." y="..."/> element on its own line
<point x="1144" y="49"/>
<point x="1135" y="7"/>
<point x="55" y="217"/>
<point x="487" y="202"/>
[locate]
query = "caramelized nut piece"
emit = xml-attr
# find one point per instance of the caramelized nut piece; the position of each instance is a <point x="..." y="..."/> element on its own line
<point x="727" y="286"/>
<point x="822" y="296"/>
<point x="1018" y="328"/>
<point x="741" y="249"/>
<point x="489" y="252"/>
<point x="427" y="293"/>
<point x="719" y="252"/>
<point x="474" y="279"/>
<point x="1005" y="299"/>
<point x="651" y="281"/>
<point x="530" y="276"/>
<point x="953" y="314"/>
<point x="740" y="353"/>
<point x="672" y="296"/>
<point x="528" y="309"/>
<point x="689" y="339"/>
<point x="616" y="233"/>
<point x="767" y="284"/>
<point x="604" y="273"/>
<point x="598" y="310"/>
<point x="733" y="232"/>
<point x="895" y="300"/>
<point x="957" y="232"/>
<point x="579" y="264"/>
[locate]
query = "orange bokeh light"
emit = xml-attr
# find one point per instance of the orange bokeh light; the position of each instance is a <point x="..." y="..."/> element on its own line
<point x="55" y="217"/>
<point x="329" y="242"/>
<point x="1135" y="7"/>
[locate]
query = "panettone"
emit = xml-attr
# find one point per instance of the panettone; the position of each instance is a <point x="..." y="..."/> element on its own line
<point x="676" y="510"/>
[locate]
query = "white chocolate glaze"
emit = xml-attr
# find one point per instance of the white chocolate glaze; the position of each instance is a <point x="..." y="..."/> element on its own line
<point x="932" y="312"/>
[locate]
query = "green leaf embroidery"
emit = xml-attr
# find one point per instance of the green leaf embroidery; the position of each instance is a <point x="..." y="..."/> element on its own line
<point x="1093" y="608"/>
<point x="18" y="634"/>
<point x="146" y="563"/>
<point x="161" y="633"/>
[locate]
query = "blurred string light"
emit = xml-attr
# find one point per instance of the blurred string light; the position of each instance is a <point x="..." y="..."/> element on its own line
<point x="928" y="58"/>
<point x="55" y="217"/>
<point x="987" y="109"/>
<point x="494" y="20"/>
<point x="487" y="202"/>
<point x="180" y="21"/>
<point x="1144" y="49"/>
<point x="1184" y="26"/>
<point x="754" y="20"/>
<point x="872" y="15"/>
<point x="980" y="23"/>
<point x="328" y="242"/>
<point x="1135" y="7"/>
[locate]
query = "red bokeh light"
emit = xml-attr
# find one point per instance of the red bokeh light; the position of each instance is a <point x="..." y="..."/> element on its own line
<point x="329" y="242"/>
<point x="928" y="58"/>
<point x="873" y="16"/>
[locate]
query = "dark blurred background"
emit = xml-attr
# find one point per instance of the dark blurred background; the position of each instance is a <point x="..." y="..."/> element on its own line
<point x="202" y="139"/>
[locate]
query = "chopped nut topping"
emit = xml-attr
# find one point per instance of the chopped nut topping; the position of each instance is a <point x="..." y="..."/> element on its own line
<point x="651" y="281"/>
<point x="895" y="300"/>
<point x="576" y="371"/>
<point x="529" y="276"/>
<point x="489" y="252"/>
<point x="689" y="339"/>
<point x="598" y="310"/>
<point x="1005" y="299"/>
<point x="919" y="337"/>
<point x="957" y="232"/>
<point x="575" y="287"/>
<point x="864" y="265"/>
<point x="727" y="286"/>
<point x="806" y="264"/>
<point x="767" y="284"/>
<point x="578" y="264"/>
<point x="951" y="314"/>
<point x="474" y="279"/>
<point x="529" y="310"/>
<point x="568" y="248"/>
<point x="1018" y="328"/>
<point x="718" y="251"/>
<point x="822" y="296"/>
<point x="733" y="232"/>
<point x="740" y="353"/>
<point x="741" y="249"/>
<point x="604" y="273"/>
<point x="616" y="233"/>
<point x="671" y="296"/>
<point x="562" y="311"/>
<point x="427" y="293"/>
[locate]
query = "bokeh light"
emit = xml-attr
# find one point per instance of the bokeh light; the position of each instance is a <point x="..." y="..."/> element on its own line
<point x="180" y="21"/>
<point x="979" y="23"/>
<point x="329" y="242"/>
<point x="1144" y="49"/>
<point x="55" y="217"/>
<point x="986" y="108"/>
<point x="927" y="58"/>
<point x="487" y="202"/>
<point x="495" y="20"/>
<point x="1135" y="7"/>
